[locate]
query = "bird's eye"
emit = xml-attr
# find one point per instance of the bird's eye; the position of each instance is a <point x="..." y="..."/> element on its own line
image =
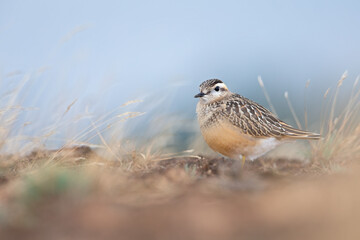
<point x="217" y="88"/>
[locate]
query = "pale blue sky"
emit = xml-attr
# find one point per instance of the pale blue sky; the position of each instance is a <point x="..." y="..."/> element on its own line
<point x="104" y="53"/>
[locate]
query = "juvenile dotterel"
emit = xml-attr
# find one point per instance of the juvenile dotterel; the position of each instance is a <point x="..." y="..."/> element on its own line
<point x="238" y="127"/>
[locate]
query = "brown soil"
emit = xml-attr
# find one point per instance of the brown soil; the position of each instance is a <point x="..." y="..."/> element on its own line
<point x="195" y="198"/>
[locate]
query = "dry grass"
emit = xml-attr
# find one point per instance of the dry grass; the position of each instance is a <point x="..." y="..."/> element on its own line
<point x="117" y="189"/>
<point x="341" y="142"/>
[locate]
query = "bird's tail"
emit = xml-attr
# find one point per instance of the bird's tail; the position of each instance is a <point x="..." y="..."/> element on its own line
<point x="291" y="132"/>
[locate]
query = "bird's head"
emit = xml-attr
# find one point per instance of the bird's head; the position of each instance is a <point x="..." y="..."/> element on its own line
<point x="212" y="90"/>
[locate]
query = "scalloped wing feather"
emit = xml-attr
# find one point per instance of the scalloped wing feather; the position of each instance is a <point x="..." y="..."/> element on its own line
<point x="255" y="120"/>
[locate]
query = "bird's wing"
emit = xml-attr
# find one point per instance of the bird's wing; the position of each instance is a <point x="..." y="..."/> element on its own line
<point x="255" y="120"/>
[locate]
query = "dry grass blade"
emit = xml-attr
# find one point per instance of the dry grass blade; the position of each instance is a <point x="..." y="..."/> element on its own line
<point x="305" y="104"/>
<point x="286" y="95"/>
<point x="331" y="117"/>
<point x="69" y="107"/>
<point x="73" y="32"/>
<point x="131" y="102"/>
<point x="261" y="83"/>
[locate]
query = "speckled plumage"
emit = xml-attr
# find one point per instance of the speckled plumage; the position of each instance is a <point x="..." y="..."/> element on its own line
<point x="210" y="83"/>
<point x="234" y="125"/>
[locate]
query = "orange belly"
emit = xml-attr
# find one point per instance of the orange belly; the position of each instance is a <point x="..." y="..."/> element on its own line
<point x="228" y="140"/>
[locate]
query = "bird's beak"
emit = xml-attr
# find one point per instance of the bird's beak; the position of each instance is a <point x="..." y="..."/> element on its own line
<point x="199" y="95"/>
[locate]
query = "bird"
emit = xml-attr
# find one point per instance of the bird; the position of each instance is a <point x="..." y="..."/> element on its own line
<point x="238" y="127"/>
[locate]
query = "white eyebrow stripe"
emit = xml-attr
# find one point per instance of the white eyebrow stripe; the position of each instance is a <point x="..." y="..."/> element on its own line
<point x="221" y="85"/>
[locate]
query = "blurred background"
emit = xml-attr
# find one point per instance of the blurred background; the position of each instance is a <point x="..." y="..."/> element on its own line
<point x="70" y="63"/>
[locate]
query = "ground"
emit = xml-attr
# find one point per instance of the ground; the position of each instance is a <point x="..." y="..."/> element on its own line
<point x="78" y="195"/>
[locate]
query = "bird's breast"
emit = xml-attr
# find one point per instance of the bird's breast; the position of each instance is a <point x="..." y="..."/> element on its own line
<point x="226" y="139"/>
